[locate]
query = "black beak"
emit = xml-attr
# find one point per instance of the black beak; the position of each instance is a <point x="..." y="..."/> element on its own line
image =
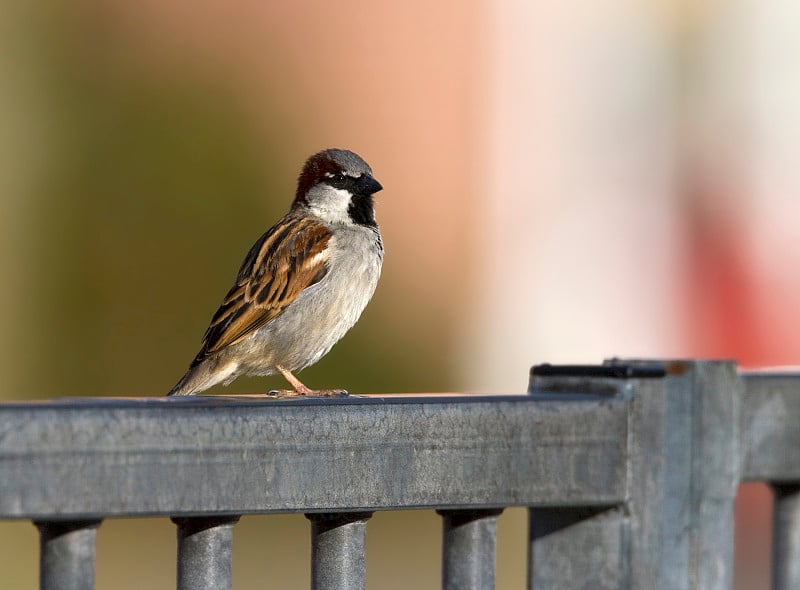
<point x="366" y="185"/>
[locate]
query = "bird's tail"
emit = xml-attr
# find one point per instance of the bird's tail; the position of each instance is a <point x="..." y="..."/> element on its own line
<point x="185" y="386"/>
<point x="198" y="378"/>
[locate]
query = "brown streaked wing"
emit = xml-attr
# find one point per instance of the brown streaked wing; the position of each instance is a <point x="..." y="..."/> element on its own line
<point x="284" y="262"/>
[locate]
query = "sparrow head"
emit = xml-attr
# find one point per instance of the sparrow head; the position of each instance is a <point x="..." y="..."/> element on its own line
<point x="337" y="185"/>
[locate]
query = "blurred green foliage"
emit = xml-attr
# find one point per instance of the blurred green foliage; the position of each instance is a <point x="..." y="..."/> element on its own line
<point x="149" y="190"/>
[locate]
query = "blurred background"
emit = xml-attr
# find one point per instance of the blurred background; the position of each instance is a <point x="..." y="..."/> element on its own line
<point x="565" y="182"/>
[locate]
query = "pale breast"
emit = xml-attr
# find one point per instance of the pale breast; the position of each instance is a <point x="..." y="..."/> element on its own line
<point x="324" y="312"/>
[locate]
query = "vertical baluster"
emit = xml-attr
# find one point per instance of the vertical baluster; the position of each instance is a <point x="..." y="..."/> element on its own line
<point x="204" y="552"/>
<point x="468" y="549"/>
<point x="578" y="548"/>
<point x="786" y="538"/>
<point x="67" y="554"/>
<point x="338" y="543"/>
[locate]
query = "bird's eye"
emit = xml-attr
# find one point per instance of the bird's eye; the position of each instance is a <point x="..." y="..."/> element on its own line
<point x="335" y="175"/>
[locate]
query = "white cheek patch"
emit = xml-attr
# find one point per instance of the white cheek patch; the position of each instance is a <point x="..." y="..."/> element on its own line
<point x="329" y="203"/>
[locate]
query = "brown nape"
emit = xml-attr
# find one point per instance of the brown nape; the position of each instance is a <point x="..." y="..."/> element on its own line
<point x="315" y="168"/>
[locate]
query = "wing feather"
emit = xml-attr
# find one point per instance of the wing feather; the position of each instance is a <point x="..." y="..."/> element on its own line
<point x="289" y="258"/>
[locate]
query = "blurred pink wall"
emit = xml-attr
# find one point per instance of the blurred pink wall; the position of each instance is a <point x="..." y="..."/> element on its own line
<point x="641" y="196"/>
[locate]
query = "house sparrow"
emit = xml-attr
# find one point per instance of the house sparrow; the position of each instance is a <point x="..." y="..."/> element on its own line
<point x="303" y="284"/>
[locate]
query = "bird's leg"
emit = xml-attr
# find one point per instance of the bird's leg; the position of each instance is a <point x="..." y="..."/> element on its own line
<point x="300" y="389"/>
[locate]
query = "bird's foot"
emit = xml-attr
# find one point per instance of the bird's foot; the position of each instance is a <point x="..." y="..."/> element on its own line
<point x="330" y="393"/>
<point x="281" y="393"/>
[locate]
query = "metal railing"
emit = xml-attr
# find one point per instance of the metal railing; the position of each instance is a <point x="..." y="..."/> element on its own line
<point x="629" y="470"/>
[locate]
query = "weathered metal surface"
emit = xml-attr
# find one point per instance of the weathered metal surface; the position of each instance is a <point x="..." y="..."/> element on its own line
<point x="684" y="470"/>
<point x="630" y="470"/>
<point x="338" y="551"/>
<point x="771" y="427"/>
<point x="469" y="542"/>
<point x="578" y="548"/>
<point x="786" y="538"/>
<point x="204" y="553"/>
<point x="194" y="457"/>
<point x="67" y="555"/>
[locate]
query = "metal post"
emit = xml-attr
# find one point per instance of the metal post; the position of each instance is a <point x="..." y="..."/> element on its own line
<point x="578" y="548"/>
<point x="204" y="552"/>
<point x="786" y="538"/>
<point x="338" y="560"/>
<point x="684" y="466"/>
<point x="468" y="549"/>
<point x="67" y="554"/>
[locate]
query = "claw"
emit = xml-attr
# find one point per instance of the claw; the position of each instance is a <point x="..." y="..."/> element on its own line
<point x="281" y="393"/>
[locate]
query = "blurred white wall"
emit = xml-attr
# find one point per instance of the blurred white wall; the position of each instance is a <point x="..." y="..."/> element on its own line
<point x="579" y="235"/>
<point x="641" y="196"/>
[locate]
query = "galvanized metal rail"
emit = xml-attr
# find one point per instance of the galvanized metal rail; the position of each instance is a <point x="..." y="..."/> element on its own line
<point x="629" y="471"/>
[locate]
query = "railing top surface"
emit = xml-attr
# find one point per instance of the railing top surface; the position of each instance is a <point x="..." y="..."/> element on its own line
<point x="567" y="444"/>
<point x="85" y="458"/>
<point x="257" y="400"/>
